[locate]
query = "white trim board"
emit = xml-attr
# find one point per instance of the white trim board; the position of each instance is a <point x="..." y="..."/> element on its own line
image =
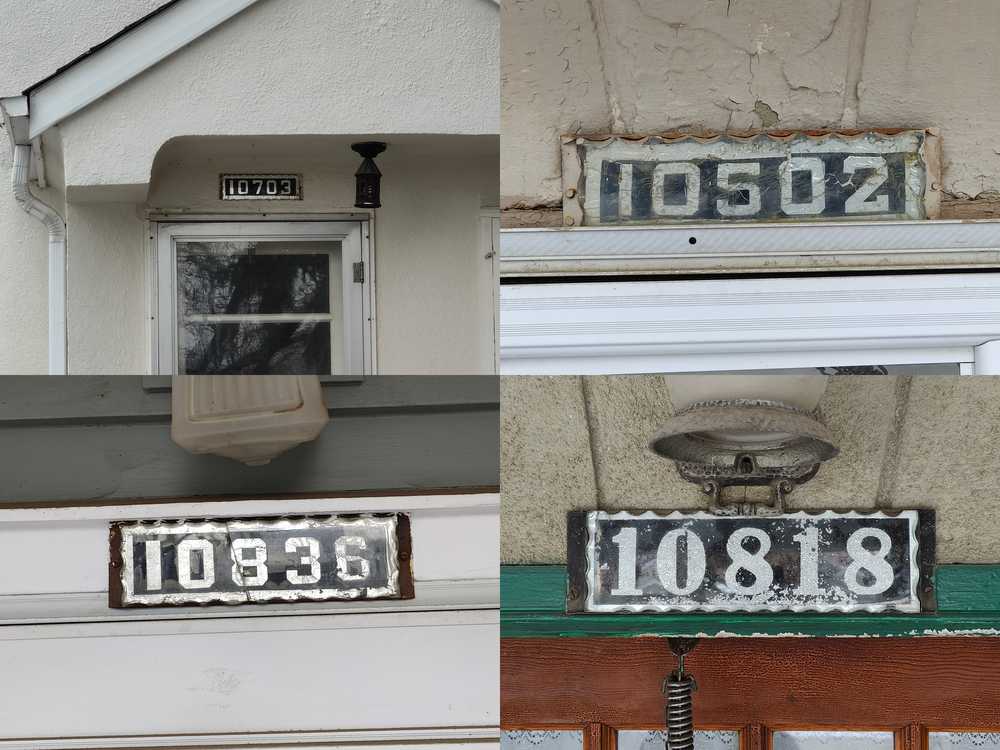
<point x="255" y="507"/>
<point x="729" y="247"/>
<point x="450" y="738"/>
<point x="126" y="57"/>
<point x="453" y="568"/>
<point x="430" y="596"/>
<point x="746" y="324"/>
<point x="211" y="677"/>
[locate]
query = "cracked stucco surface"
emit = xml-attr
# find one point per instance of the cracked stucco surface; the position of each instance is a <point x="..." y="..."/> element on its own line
<point x="580" y="443"/>
<point x="635" y="66"/>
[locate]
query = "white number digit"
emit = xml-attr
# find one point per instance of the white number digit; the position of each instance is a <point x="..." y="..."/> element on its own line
<point x="857" y="202"/>
<point x="184" y="551"/>
<point x="154" y="577"/>
<point x="286" y="187"/>
<point x="666" y="562"/>
<point x="626" y="541"/>
<point x="257" y="562"/>
<point x="808" y="540"/>
<point x="817" y="176"/>
<point x="754" y="563"/>
<point x="625" y="190"/>
<point x="345" y="560"/>
<point x="272" y="187"/>
<point x="726" y="172"/>
<point x="312" y="559"/>
<point x="243" y="187"/>
<point x="873" y="562"/>
<point x="692" y="188"/>
<point x="258" y="187"/>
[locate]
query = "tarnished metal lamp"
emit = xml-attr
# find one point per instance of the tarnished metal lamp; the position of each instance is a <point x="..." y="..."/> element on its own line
<point x="746" y="431"/>
<point x="368" y="178"/>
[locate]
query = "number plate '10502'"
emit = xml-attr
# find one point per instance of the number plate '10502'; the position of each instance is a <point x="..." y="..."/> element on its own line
<point x="766" y="177"/>
<point x="800" y="562"/>
<point x="251" y="561"/>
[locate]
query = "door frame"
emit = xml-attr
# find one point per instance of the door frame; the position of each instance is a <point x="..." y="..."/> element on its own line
<point x="353" y="234"/>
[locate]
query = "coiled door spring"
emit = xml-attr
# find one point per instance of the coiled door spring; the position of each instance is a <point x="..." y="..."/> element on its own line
<point x="678" y="689"/>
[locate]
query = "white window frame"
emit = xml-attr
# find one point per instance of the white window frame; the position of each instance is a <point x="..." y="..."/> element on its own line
<point x="358" y="323"/>
<point x="751" y="323"/>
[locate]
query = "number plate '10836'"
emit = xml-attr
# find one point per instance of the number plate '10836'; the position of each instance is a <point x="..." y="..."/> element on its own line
<point x="251" y="561"/>
<point x="685" y="562"/>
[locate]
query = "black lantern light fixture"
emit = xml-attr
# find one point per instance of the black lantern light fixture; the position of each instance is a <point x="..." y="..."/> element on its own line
<point x="368" y="177"/>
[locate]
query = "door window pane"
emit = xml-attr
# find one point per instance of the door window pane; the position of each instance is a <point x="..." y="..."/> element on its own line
<point x="260" y="307"/>
<point x="834" y="741"/>
<point x="964" y="741"/>
<point x="534" y="739"/>
<point x="251" y="348"/>
<point x="640" y="739"/>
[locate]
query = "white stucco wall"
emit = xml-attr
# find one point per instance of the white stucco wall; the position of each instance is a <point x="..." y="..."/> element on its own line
<point x="37" y="38"/>
<point x="301" y="67"/>
<point x="656" y="65"/>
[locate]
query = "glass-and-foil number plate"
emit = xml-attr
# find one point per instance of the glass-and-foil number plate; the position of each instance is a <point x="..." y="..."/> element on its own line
<point x="684" y="562"/>
<point x="244" y="561"/>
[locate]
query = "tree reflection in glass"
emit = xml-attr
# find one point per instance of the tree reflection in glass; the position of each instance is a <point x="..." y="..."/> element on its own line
<point x="254" y="307"/>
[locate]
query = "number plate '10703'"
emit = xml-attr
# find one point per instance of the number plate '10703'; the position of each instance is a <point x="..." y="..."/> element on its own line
<point x="251" y="561"/>
<point x="800" y="562"/>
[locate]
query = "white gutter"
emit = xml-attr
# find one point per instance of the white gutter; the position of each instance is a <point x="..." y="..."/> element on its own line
<point x="57" y="256"/>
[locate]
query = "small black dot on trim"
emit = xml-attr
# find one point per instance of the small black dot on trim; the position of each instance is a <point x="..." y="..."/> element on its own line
<point x="693" y="240"/>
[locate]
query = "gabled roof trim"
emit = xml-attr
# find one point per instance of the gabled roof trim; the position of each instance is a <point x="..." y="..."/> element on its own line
<point x="124" y="56"/>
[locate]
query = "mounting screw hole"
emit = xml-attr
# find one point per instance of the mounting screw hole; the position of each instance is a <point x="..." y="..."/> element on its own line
<point x="692" y="240"/>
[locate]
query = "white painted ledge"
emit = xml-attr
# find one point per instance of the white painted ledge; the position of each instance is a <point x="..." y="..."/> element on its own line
<point x="733" y="247"/>
<point x="445" y="738"/>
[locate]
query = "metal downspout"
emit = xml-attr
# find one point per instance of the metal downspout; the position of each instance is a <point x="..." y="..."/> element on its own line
<point x="57" y="256"/>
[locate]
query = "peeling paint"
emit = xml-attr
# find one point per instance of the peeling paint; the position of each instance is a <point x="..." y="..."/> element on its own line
<point x="768" y="117"/>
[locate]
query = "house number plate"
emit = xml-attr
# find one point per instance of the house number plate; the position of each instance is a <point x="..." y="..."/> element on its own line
<point x="168" y="563"/>
<point x="686" y="562"/>
<point x="261" y="187"/>
<point x="765" y="177"/>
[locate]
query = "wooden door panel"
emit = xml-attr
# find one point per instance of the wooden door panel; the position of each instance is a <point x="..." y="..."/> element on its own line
<point x="904" y="685"/>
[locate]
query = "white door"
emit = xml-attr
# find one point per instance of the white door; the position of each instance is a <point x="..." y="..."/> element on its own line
<point x="254" y="298"/>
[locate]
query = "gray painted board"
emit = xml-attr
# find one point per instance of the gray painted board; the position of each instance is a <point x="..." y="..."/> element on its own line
<point x="61" y="441"/>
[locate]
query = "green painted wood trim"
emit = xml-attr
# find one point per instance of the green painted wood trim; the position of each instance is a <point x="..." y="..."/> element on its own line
<point x="532" y="605"/>
<point x="968" y="588"/>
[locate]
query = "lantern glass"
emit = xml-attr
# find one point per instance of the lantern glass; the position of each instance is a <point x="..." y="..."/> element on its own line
<point x="368" y="190"/>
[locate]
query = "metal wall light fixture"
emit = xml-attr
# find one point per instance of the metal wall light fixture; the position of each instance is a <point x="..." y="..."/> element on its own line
<point x="746" y="431"/>
<point x="737" y="432"/>
<point x="368" y="178"/>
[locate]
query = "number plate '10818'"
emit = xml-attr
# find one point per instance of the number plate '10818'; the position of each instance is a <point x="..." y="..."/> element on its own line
<point x="685" y="562"/>
<point x="251" y="561"/>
